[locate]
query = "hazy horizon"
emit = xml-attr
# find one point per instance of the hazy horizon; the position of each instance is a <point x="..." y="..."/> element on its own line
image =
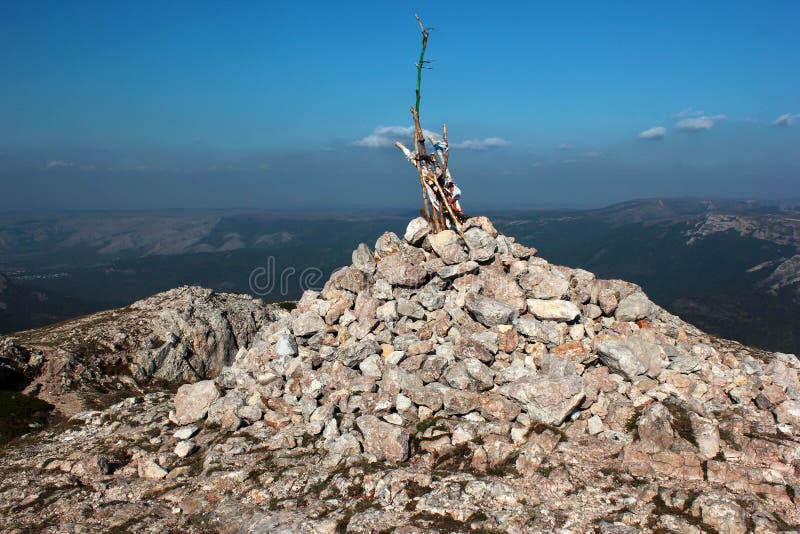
<point x="399" y="209"/>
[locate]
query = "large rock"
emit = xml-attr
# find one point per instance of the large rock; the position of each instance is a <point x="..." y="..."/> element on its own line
<point x="339" y="305"/>
<point x="387" y="244"/>
<point x="481" y="245"/>
<point x="225" y="411"/>
<point x="354" y="352"/>
<point x="286" y="346"/>
<point x="480" y="222"/>
<point x="497" y="407"/>
<point x="632" y="356"/>
<point x="349" y="278"/>
<point x="384" y="440"/>
<point x="539" y="283"/>
<point x="655" y="428"/>
<point x="789" y="412"/>
<point x="416" y="231"/>
<point x="409" y="308"/>
<point x="469" y="375"/>
<point x="498" y="285"/>
<point x="724" y="515"/>
<point x="459" y="269"/>
<point x="546" y="399"/>
<point x="404" y="267"/>
<point x="706" y="434"/>
<point x="547" y="332"/>
<point x="192" y="401"/>
<point x="308" y="324"/>
<point x="364" y="259"/>
<point x="447" y="247"/>
<point x="149" y="468"/>
<point x="488" y="311"/>
<point x="431" y="298"/>
<point x="555" y="310"/>
<point x="634" y="307"/>
<point x="457" y="402"/>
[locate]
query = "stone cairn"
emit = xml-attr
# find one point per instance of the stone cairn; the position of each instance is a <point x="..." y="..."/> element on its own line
<point x="434" y="345"/>
<point x="440" y="383"/>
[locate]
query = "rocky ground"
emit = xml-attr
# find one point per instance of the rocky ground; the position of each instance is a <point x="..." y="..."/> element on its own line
<point x="439" y="383"/>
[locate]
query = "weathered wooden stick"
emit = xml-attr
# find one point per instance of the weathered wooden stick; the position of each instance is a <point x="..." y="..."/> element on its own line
<point x="425" y="174"/>
<point x="412" y="159"/>
<point x="419" y="138"/>
<point x="443" y="199"/>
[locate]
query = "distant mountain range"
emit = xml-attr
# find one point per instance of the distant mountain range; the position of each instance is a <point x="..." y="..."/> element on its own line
<point x="721" y="264"/>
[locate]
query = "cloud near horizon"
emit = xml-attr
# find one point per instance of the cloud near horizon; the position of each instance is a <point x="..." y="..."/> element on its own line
<point x="696" y="124"/>
<point x="481" y="144"/>
<point x="385" y="136"/>
<point x="688" y="112"/>
<point x="56" y="163"/>
<point x="786" y="120"/>
<point x="653" y="134"/>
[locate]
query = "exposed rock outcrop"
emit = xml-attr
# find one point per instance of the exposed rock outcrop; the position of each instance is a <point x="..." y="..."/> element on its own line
<point x="182" y="335"/>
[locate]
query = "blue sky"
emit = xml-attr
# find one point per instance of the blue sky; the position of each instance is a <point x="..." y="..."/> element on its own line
<point x="262" y="104"/>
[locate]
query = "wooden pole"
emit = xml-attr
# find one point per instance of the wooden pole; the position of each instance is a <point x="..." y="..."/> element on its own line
<point x="419" y="146"/>
<point x="421" y="59"/>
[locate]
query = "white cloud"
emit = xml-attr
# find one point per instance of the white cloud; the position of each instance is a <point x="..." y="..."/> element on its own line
<point x="565" y="146"/>
<point x="385" y="136"/>
<point x="653" y="134"/>
<point x="58" y="163"/>
<point x="688" y="112"/>
<point x="695" y="124"/>
<point x="481" y="144"/>
<point x="787" y="119"/>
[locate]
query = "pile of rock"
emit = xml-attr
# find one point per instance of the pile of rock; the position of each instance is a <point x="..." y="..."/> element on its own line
<point x="440" y="343"/>
<point x="439" y="383"/>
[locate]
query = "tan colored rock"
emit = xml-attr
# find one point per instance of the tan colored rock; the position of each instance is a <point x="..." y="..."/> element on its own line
<point x="184" y="449"/>
<point x="706" y="434"/>
<point x="364" y="259"/>
<point x="192" y="401"/>
<point x="555" y="310"/>
<point x="384" y="440"/>
<point x="149" y="468"/>
<point x="416" y="231"/>
<point x="447" y="247"/>
<point x="722" y="514"/>
<point x="789" y="412"/>
<point x="404" y="268"/>
<point x="488" y="311"/>
<point x="655" y="428"/>
<point x="540" y="283"/>
<point x="546" y="399"/>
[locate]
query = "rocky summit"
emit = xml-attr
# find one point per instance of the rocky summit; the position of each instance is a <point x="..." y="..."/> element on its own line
<point x="441" y="383"/>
